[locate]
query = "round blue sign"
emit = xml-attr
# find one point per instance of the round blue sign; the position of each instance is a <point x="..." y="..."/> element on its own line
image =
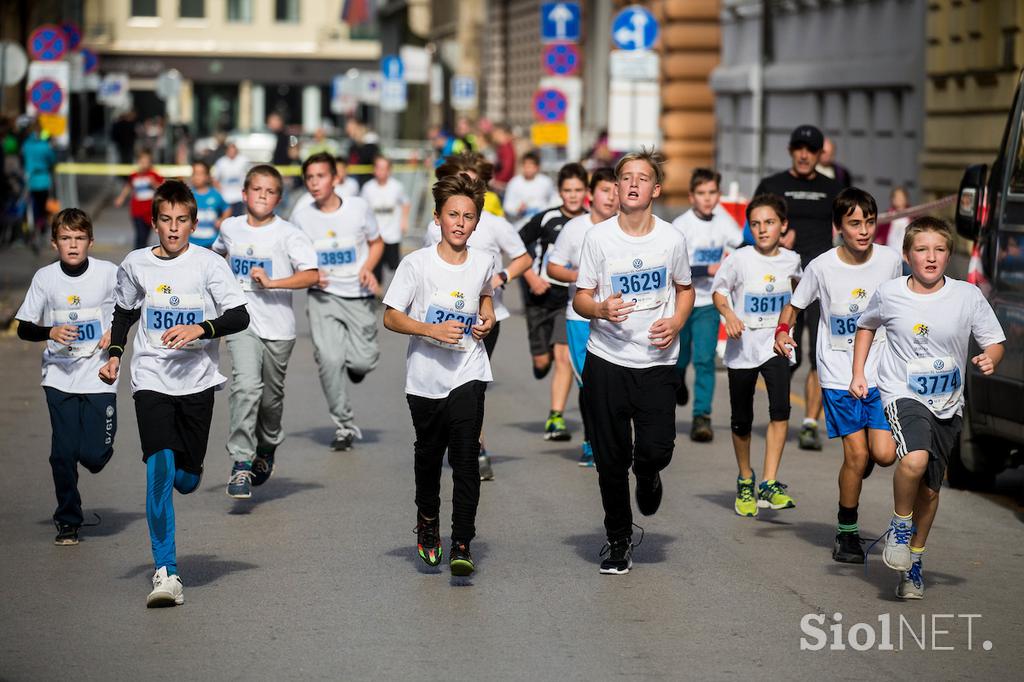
<point x="550" y="106"/>
<point x="48" y="43"/>
<point x="46" y="96"/>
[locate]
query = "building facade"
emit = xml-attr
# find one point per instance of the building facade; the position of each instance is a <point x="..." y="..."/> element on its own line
<point x="854" y="68"/>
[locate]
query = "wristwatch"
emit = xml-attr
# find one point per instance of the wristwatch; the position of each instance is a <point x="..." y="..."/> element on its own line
<point x="504" y="277"/>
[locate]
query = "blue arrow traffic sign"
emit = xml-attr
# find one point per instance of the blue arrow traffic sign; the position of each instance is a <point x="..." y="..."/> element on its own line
<point x="634" y="28"/>
<point x="392" y="68"/>
<point x="560" y="22"/>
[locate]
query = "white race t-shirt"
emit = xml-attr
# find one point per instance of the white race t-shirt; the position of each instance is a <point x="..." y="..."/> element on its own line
<point x="707" y="242"/>
<point x="281" y="249"/>
<point x="927" y="337"/>
<point x="230" y="175"/>
<point x="86" y="301"/>
<point x="844" y="291"/>
<point x="645" y="270"/>
<point x="525" y="198"/>
<point x="342" y="242"/>
<point x="194" y="287"/>
<point x="428" y="289"/>
<point x="567" y="250"/>
<point x="347" y="188"/>
<point x="494" y="235"/>
<point x="758" y="288"/>
<point x="386" y="201"/>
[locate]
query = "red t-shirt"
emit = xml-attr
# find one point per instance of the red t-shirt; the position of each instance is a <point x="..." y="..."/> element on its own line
<point x="143" y="187"/>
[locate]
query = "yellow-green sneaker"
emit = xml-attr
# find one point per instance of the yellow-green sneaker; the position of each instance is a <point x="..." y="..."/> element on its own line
<point x="746" y="503"/>
<point x="772" y="495"/>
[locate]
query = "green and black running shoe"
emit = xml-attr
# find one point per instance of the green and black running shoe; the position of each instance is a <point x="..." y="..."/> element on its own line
<point x="428" y="540"/>
<point x="461" y="561"/>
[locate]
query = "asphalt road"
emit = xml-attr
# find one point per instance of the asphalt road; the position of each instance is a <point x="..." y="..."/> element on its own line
<point x="317" y="575"/>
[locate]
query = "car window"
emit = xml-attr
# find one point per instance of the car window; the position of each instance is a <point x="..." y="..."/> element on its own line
<point x="1010" y="265"/>
<point x="1017" y="173"/>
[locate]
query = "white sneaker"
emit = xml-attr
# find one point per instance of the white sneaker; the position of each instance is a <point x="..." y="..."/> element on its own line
<point x="896" y="553"/>
<point x="911" y="585"/>
<point x="167" y="590"/>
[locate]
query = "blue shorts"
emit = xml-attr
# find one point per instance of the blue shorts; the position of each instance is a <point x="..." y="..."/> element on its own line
<point x="578" y="332"/>
<point x="845" y="414"/>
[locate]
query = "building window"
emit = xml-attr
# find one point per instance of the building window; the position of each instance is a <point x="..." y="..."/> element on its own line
<point x="286" y="11"/>
<point x="366" y="31"/>
<point x="240" y="11"/>
<point x="143" y="8"/>
<point x="192" y="9"/>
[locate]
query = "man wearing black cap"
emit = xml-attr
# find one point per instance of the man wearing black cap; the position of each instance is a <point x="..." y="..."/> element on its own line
<point x="809" y="197"/>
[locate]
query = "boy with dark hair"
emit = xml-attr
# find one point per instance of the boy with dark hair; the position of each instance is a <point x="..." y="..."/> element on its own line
<point x="844" y="279"/>
<point x="563" y="265"/>
<point x="929" y="320"/>
<point x="269" y="258"/>
<point x="710" y="233"/>
<point x="140" y="186"/>
<point x="213" y="210"/>
<point x="751" y="288"/>
<point x="441" y="297"/>
<point x="545" y="298"/>
<point x="634" y="286"/>
<point x="342" y="310"/>
<point x="69" y="305"/>
<point x="186" y="298"/>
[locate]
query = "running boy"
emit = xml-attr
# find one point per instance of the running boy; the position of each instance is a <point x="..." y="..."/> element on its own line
<point x="140" y="186"/>
<point x="213" y="210"/>
<point x="69" y="305"/>
<point x="343" y="310"/>
<point x="441" y="297"/>
<point x="269" y="258"/>
<point x="546" y="298"/>
<point x="563" y="265"/>
<point x="185" y="296"/>
<point x="390" y="206"/>
<point x="528" y="193"/>
<point x="844" y="279"/>
<point x="709" y="232"/>
<point x="634" y="286"/>
<point x="751" y="288"/>
<point x="929" y="320"/>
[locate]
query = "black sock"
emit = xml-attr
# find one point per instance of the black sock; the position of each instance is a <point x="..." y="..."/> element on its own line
<point x="847" y="519"/>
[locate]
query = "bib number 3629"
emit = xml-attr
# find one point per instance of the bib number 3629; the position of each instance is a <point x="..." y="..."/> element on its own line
<point x="644" y="281"/>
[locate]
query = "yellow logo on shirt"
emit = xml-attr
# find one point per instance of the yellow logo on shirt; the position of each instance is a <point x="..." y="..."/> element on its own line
<point x="859" y="293"/>
<point x="769" y="277"/>
<point x="457" y="294"/>
<point x="920" y="329"/>
<point x="331" y="233"/>
<point x="74" y="300"/>
<point x="163" y="289"/>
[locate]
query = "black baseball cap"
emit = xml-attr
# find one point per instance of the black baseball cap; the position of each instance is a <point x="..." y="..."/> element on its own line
<point x="807" y="136"/>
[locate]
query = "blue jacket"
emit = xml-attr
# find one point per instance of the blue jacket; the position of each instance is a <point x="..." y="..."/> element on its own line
<point x="39" y="161"/>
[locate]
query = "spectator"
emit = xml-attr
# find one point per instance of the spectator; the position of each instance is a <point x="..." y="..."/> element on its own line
<point x="39" y="159"/>
<point x="361" y="152"/>
<point x="898" y="201"/>
<point x="282" y="146"/>
<point x="828" y="167"/>
<point x="124" y="136"/>
<point x="505" y="157"/>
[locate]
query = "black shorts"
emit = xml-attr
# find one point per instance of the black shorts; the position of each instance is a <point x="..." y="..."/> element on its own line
<point x="391" y="257"/>
<point x="545" y="326"/>
<point x="808" y="318"/>
<point x="914" y="427"/>
<point x="742" y="383"/>
<point x="175" y="422"/>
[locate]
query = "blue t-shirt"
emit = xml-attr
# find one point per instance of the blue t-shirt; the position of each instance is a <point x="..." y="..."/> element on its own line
<point x="211" y="204"/>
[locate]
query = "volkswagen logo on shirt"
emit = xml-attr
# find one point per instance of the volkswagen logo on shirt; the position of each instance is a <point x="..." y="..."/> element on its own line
<point x="73" y="316"/>
<point x="769" y="288"/>
<point x="854" y="307"/>
<point x="460" y="304"/>
<point x="938" y="364"/>
<point x="637" y="264"/>
<point x="248" y="252"/>
<point x="175" y="301"/>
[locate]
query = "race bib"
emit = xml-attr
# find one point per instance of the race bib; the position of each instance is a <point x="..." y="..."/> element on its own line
<point x="242" y="262"/>
<point x="452" y="306"/>
<point x="764" y="300"/>
<point x="936" y="381"/>
<point x="336" y="256"/>
<point x="643" y="280"/>
<point x="90" y="331"/>
<point x="842" y="325"/>
<point x="702" y="258"/>
<point x="163" y="311"/>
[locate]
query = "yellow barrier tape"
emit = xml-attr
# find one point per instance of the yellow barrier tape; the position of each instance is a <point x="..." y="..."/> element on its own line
<point x="176" y="171"/>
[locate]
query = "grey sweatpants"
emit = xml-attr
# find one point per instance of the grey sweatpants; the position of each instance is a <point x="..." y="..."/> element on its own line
<point x="256" y="400"/>
<point x="344" y="334"/>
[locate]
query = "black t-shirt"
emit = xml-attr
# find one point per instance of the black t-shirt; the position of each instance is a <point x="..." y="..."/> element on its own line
<point x="539" y="235"/>
<point x="810" y="210"/>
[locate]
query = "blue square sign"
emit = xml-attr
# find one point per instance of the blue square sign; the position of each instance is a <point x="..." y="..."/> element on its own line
<point x="560" y="22"/>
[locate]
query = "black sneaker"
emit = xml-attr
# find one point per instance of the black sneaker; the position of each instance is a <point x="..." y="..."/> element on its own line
<point x="809" y="438"/>
<point x="344" y="438"/>
<point x="262" y="468"/>
<point x="461" y="561"/>
<point x="66" y="534"/>
<point x="354" y="377"/>
<point x="618" y="557"/>
<point x="428" y="540"/>
<point x="540" y="373"/>
<point x="848" y="549"/>
<point x="682" y="394"/>
<point x="648" y="494"/>
<point x="700" y="431"/>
